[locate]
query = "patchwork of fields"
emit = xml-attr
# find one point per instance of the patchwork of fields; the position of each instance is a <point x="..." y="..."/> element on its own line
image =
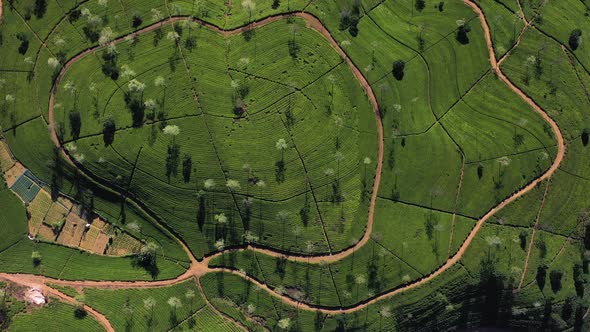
<point x="375" y="165"/>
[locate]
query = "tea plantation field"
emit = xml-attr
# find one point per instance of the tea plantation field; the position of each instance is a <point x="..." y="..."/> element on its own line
<point x="300" y="165"/>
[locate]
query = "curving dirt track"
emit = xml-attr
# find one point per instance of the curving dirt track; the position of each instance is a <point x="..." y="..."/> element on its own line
<point x="199" y="268"/>
<point x="32" y="281"/>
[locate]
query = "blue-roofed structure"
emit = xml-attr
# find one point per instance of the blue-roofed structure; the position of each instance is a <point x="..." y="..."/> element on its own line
<point x="34" y="178"/>
<point x="26" y="187"/>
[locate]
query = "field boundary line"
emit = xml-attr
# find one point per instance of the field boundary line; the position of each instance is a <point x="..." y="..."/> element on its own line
<point x="532" y="241"/>
<point x="456" y="204"/>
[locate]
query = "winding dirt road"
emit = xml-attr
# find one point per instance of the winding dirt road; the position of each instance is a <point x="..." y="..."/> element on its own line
<point x="198" y="269"/>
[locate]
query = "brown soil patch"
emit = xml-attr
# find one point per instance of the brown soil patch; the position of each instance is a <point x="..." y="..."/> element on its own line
<point x="90" y="236"/>
<point x="124" y="244"/>
<point x="57" y="212"/>
<point x="6" y="161"/>
<point x="45" y="233"/>
<point x="72" y="232"/>
<point x="13" y="174"/>
<point x="38" y="209"/>
<point x="100" y="244"/>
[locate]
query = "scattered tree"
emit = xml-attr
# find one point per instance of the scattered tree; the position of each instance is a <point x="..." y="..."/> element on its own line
<point x="36" y="257"/>
<point x="284" y="323"/>
<point x="233" y="185"/>
<point x="281" y="145"/>
<point x="174" y="304"/>
<point x="134" y="101"/>
<point x="93" y="23"/>
<point x="190" y="43"/>
<point x="249" y="6"/>
<point x="147" y="258"/>
<point x="109" y="66"/>
<point x="74" y="15"/>
<point x="80" y="312"/>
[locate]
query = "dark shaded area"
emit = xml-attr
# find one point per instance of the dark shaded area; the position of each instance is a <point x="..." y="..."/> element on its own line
<point x="178" y="28"/>
<point x="57" y="174"/>
<point x="24" y="43"/>
<point x="480" y="171"/>
<point x="280" y="171"/>
<point x="136" y="21"/>
<point x="555" y="279"/>
<point x="579" y="281"/>
<point x="146" y="258"/>
<point x="541" y="276"/>
<point x="398" y="69"/>
<point x="304" y="212"/>
<point x="74" y="15"/>
<point x="91" y="32"/>
<point x="249" y="34"/>
<point x="462" y="36"/>
<point x="293" y="48"/>
<point x="109" y="66"/>
<point x="135" y="104"/>
<point x="40" y="8"/>
<point x="201" y="212"/>
<point x="172" y="160"/>
<point x="420" y="5"/>
<point x="187" y="167"/>
<point x="108" y="132"/>
<point x="87" y="202"/>
<point x="80" y="312"/>
<point x="75" y="124"/>
<point x="522" y="238"/>
<point x="574" y="39"/>
<point x="585" y="137"/>
<point x="280" y="266"/>
<point x="158" y="35"/>
<point x="349" y="19"/>
<point x="190" y="43"/>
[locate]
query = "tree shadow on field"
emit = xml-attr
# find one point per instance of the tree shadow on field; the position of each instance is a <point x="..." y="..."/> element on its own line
<point x="280" y="171"/>
<point x="173" y="319"/>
